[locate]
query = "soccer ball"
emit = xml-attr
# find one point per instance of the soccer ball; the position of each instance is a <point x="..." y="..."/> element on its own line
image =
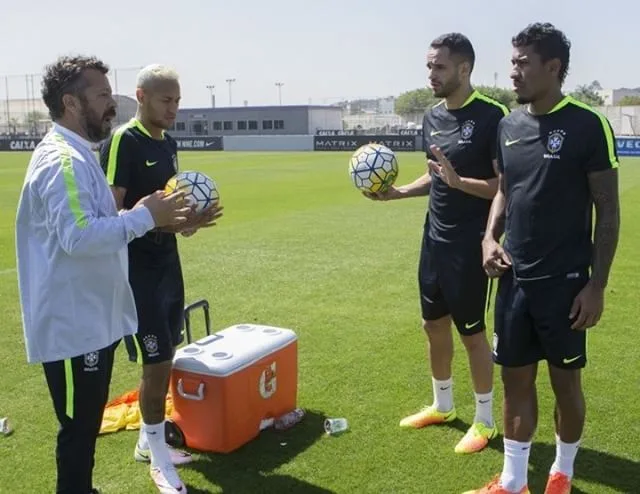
<point x="373" y="168"/>
<point x="200" y="190"/>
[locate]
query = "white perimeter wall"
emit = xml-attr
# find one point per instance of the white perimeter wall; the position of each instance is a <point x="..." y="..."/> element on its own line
<point x="269" y="143"/>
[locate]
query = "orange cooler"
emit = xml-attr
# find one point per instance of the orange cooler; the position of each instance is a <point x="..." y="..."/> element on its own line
<point x="224" y="385"/>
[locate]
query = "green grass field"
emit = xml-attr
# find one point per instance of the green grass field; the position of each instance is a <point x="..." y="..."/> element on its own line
<point x="298" y="247"/>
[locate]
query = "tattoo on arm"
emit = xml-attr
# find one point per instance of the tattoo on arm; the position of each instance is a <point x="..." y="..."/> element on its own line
<point x="604" y="191"/>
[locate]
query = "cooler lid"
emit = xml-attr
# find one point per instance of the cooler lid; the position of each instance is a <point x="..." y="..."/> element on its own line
<point x="232" y="349"/>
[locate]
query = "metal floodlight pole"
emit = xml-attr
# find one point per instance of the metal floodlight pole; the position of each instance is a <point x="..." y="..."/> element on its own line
<point x="279" y="86"/>
<point x="211" y="87"/>
<point x="230" y="82"/>
<point x="6" y="92"/>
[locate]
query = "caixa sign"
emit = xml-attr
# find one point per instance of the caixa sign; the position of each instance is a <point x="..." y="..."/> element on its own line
<point x="213" y="143"/>
<point x="22" y="144"/>
<point x="628" y="146"/>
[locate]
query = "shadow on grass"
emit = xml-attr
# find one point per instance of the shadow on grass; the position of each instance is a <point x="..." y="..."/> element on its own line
<point x="614" y="472"/>
<point x="247" y="470"/>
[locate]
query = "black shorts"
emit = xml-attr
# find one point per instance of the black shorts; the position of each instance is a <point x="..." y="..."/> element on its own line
<point x="532" y="322"/>
<point x="159" y="295"/>
<point x="452" y="282"/>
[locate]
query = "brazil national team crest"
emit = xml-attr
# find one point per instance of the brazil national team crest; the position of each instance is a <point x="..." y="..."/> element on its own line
<point x="151" y="345"/>
<point x="554" y="143"/>
<point x="91" y="361"/>
<point x="466" y="131"/>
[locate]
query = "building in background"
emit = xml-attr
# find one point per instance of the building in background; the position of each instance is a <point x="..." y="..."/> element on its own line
<point x="377" y="123"/>
<point x="256" y="120"/>
<point x="613" y="96"/>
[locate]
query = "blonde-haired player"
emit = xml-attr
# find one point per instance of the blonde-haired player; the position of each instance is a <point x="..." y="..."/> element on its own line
<point x="141" y="156"/>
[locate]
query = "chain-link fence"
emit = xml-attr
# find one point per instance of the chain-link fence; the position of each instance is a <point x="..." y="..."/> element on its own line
<point x="22" y="111"/>
<point x="21" y="108"/>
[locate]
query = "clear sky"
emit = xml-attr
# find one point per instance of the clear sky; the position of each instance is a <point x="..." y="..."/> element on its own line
<point x="322" y="50"/>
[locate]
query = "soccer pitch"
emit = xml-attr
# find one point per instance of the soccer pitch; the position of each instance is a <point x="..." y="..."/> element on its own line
<point x="299" y="247"/>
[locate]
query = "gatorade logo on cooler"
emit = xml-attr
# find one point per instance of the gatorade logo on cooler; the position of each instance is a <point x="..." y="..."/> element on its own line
<point x="268" y="381"/>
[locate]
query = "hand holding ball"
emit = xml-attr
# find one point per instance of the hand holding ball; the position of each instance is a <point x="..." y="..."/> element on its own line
<point x="200" y="191"/>
<point x="373" y="168"/>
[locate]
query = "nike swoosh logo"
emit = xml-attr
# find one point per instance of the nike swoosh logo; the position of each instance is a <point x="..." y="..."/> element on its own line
<point x="444" y="389"/>
<point x="483" y="401"/>
<point x="569" y="360"/>
<point x="435" y="132"/>
<point x="150" y="163"/>
<point x="511" y="143"/>
<point x="469" y="326"/>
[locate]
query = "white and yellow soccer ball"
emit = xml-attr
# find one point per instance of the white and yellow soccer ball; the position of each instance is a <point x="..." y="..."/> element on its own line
<point x="373" y="168"/>
<point x="200" y="190"/>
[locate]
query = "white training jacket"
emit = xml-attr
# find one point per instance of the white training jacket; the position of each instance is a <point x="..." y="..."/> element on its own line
<point x="71" y="247"/>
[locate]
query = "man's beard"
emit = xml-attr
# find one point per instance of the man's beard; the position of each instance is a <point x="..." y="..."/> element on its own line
<point x="94" y="124"/>
<point x="447" y="90"/>
<point x="524" y="100"/>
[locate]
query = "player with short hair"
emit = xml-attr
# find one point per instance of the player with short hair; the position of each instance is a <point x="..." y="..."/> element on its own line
<point x="557" y="158"/>
<point x="140" y="156"/>
<point x="460" y="142"/>
<point x="72" y="260"/>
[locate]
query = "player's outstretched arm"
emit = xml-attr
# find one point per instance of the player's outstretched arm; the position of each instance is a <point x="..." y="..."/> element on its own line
<point x="206" y="218"/>
<point x="65" y="188"/>
<point x="191" y="223"/>
<point x="494" y="259"/>
<point x="419" y="187"/>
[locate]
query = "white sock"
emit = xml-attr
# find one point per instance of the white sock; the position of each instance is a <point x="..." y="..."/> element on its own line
<point x="443" y="394"/>
<point x="516" y="464"/>
<point x="484" y="408"/>
<point x="565" y="457"/>
<point x="160" y="455"/>
<point x="142" y="438"/>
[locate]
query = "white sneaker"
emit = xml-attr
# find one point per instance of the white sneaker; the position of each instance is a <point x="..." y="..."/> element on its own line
<point x="166" y="480"/>
<point x="177" y="457"/>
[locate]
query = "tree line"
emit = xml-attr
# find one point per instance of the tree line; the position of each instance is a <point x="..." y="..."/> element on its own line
<point x="418" y="100"/>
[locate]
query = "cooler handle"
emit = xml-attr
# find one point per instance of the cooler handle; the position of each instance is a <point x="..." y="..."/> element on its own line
<point x="204" y="304"/>
<point x="189" y="396"/>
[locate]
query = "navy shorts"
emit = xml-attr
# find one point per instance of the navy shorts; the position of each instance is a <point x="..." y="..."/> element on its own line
<point x="159" y="295"/>
<point x="453" y="282"/>
<point x="532" y="321"/>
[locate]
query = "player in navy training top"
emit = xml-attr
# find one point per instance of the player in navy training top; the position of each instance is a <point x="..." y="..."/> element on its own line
<point x="460" y="141"/>
<point x="557" y="157"/>
<point x="141" y="157"/>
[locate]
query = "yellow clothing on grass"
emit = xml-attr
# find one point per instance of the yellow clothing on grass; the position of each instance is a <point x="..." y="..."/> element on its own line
<point x="123" y="413"/>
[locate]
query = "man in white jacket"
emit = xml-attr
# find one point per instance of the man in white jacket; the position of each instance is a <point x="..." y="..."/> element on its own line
<point x="72" y="260"/>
